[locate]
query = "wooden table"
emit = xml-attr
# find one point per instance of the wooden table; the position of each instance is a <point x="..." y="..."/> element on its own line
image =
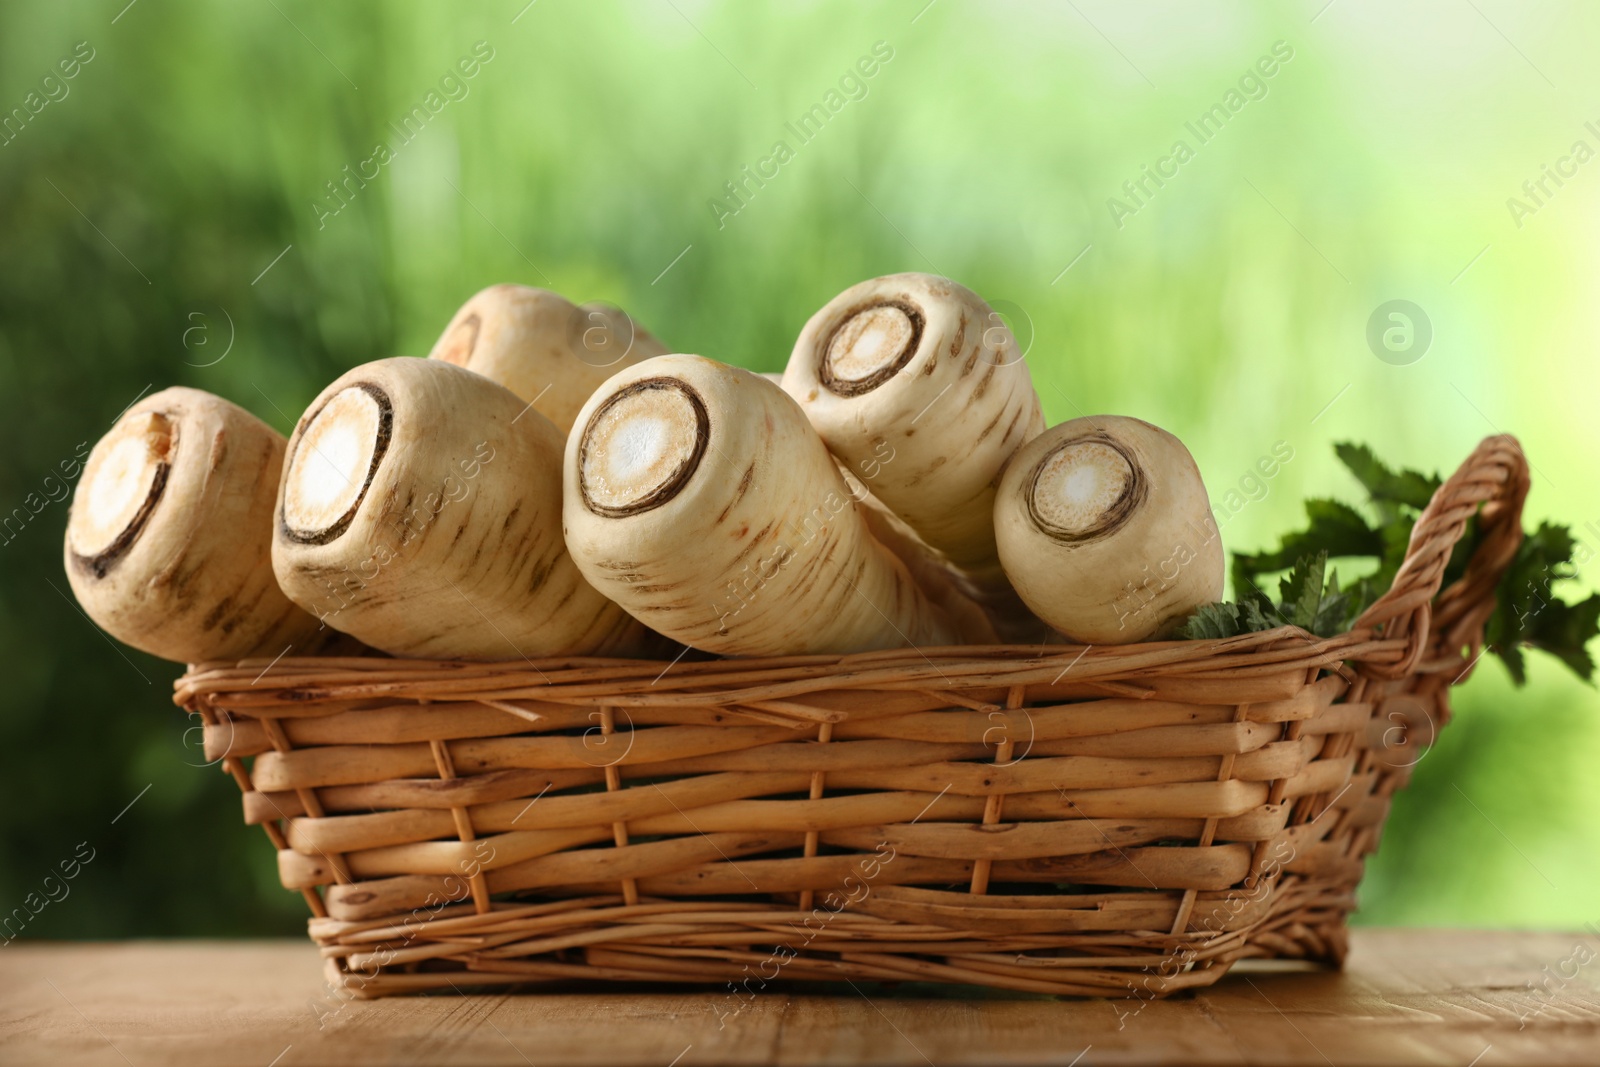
<point x="1408" y="996"/>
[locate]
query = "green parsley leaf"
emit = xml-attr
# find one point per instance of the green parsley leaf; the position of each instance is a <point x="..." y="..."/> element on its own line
<point x="1528" y="612"/>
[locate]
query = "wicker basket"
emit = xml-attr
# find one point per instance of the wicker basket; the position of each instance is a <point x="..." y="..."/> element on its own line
<point x="1104" y="821"/>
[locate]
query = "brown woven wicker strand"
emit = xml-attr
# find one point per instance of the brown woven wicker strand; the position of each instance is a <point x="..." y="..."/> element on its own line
<point x="1118" y="821"/>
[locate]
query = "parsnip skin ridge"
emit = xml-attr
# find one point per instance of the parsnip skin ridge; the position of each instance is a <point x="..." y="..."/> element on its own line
<point x="542" y="347"/>
<point x="191" y="579"/>
<point x="759" y="549"/>
<point x="1105" y="529"/>
<point x="952" y="407"/>
<point x="453" y="549"/>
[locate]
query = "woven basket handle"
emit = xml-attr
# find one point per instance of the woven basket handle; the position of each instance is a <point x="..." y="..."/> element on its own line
<point x="1495" y="476"/>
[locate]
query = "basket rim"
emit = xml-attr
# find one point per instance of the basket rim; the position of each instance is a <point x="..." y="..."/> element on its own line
<point x="583" y="680"/>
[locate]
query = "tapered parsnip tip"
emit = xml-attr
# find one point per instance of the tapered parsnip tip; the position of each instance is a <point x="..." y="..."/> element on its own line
<point x="870" y="346"/>
<point x="334" y="460"/>
<point x="642" y="446"/>
<point x="122" y="484"/>
<point x="1084" y="489"/>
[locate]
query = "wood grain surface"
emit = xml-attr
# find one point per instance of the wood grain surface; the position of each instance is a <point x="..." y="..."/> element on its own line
<point x="1407" y="997"/>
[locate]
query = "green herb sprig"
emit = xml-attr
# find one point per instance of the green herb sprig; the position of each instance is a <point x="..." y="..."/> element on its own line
<point x="1528" y="612"/>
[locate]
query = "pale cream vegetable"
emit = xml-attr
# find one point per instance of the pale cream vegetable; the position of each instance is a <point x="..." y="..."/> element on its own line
<point x="421" y="512"/>
<point x="1105" y="529"/>
<point x="943" y="586"/>
<point x="169" y="543"/>
<point x="920" y="388"/>
<point x="700" y="499"/>
<point x="542" y="347"/>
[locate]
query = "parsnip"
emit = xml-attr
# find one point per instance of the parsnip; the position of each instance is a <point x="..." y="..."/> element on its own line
<point x="700" y="499"/>
<point x="543" y="348"/>
<point x="915" y="381"/>
<point x="420" y="511"/>
<point x="1105" y="530"/>
<point x="169" y="543"/>
<point x="943" y="586"/>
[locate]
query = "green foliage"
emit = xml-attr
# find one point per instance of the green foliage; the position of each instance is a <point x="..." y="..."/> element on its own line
<point x="1228" y="619"/>
<point x="1389" y="491"/>
<point x="1528" y="613"/>
<point x="1309" y="597"/>
<point x="1335" y="530"/>
<point x="1313" y="604"/>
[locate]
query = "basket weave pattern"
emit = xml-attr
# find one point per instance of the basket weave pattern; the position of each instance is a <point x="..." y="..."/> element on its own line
<point x="1104" y="821"/>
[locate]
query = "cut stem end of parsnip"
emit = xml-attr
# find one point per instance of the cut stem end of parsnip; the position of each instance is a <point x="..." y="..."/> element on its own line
<point x="642" y="446"/>
<point x="333" y="464"/>
<point x="121" y="487"/>
<point x="1084" y="489"/>
<point x="869" y="347"/>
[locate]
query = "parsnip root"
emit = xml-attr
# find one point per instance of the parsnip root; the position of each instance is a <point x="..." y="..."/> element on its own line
<point x="700" y="499"/>
<point x="543" y="348"/>
<point x="918" y="386"/>
<point x="168" y="545"/>
<point x="1105" y="530"/>
<point x="421" y="511"/>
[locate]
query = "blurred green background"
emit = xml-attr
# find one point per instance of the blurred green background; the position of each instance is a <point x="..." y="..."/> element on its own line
<point x="161" y="225"/>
